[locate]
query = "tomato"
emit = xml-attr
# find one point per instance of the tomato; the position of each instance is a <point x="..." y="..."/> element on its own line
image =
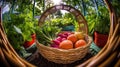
<point x="80" y="43"/>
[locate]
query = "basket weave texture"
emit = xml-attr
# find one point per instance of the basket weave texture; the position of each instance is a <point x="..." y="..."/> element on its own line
<point x="62" y="56"/>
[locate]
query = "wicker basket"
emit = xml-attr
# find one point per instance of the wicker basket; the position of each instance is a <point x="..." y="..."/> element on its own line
<point x="60" y="55"/>
<point x="64" y="56"/>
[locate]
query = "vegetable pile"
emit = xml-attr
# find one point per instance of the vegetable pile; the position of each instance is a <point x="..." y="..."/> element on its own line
<point x="69" y="40"/>
<point x="52" y="37"/>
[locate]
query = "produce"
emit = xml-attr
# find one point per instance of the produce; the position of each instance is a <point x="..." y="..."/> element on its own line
<point x="64" y="39"/>
<point x="64" y="34"/>
<point x="54" y="45"/>
<point x="51" y="36"/>
<point x="79" y="35"/>
<point x="72" y="38"/>
<point x="57" y="42"/>
<point x="47" y="35"/>
<point x="80" y="43"/>
<point x="61" y="37"/>
<point x="66" y="44"/>
<point x="68" y="40"/>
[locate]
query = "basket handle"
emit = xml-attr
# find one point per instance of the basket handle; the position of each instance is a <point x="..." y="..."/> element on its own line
<point x="79" y="17"/>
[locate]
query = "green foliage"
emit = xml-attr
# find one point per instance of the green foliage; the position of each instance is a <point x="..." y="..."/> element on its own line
<point x="19" y="28"/>
<point x="91" y="19"/>
<point x="46" y="33"/>
<point x="65" y="19"/>
<point x="61" y="22"/>
<point x="103" y="23"/>
<point x="99" y="23"/>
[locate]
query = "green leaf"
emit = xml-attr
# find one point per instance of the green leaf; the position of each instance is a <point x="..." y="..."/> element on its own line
<point x="18" y="30"/>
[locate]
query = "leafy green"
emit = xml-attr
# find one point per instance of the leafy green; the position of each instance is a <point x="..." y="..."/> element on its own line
<point x="46" y="33"/>
<point x="19" y="28"/>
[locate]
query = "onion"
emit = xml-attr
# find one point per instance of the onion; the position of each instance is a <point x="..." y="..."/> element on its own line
<point x="59" y="39"/>
<point x="64" y="39"/>
<point x="54" y="45"/>
<point x="57" y="42"/>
